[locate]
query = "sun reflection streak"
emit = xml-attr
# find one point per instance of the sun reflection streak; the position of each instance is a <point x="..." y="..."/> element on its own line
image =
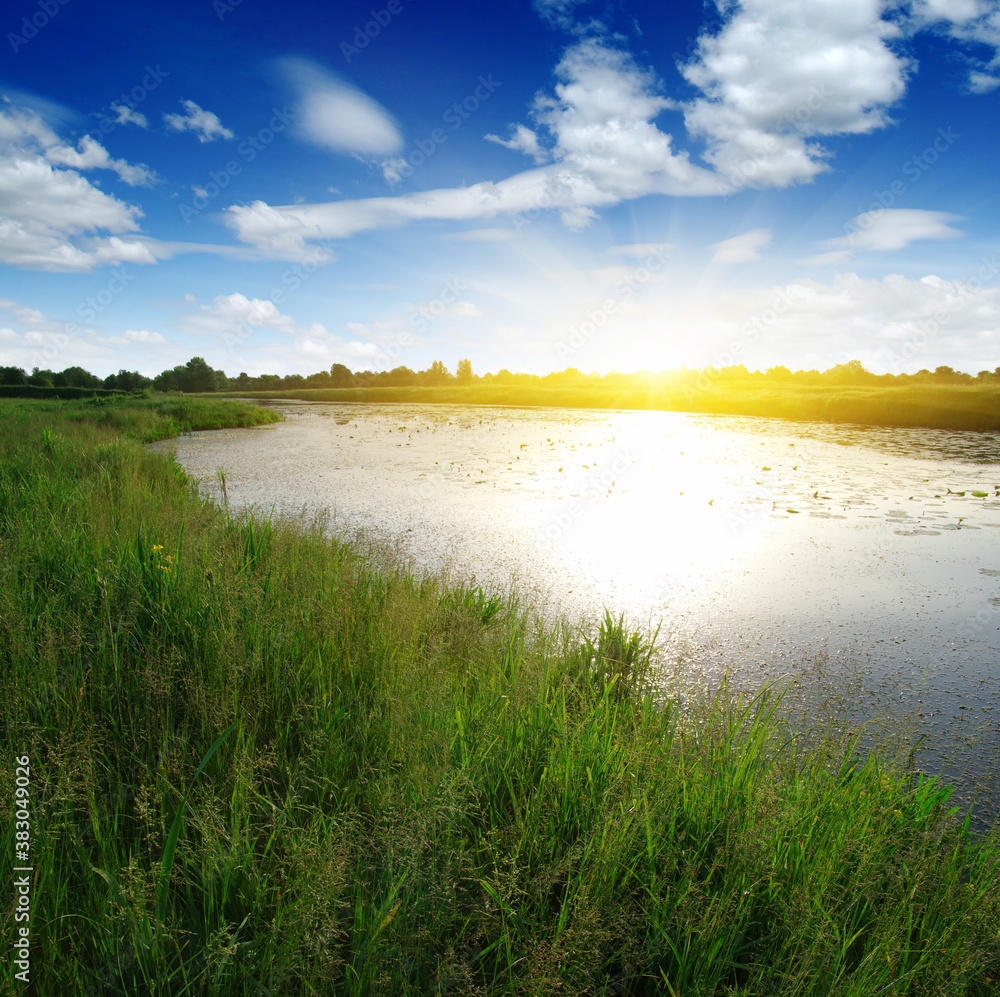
<point x="660" y="507"/>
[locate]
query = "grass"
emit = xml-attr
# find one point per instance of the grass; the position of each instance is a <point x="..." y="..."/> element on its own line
<point x="262" y="764"/>
<point x="935" y="406"/>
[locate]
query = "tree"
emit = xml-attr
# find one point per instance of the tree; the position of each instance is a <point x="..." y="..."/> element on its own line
<point x="438" y="373"/>
<point x="13" y="375"/>
<point x="401" y="376"/>
<point x="76" y="377"/>
<point x="464" y="370"/>
<point x="201" y="377"/>
<point x="127" y="380"/>
<point x="341" y="376"/>
<point x="166" y="381"/>
<point x="41" y="378"/>
<point x="851" y="372"/>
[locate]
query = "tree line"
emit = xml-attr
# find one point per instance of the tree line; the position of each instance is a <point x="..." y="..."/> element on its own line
<point x="198" y="376"/>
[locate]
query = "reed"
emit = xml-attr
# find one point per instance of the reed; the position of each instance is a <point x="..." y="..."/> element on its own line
<point x="263" y="764"/>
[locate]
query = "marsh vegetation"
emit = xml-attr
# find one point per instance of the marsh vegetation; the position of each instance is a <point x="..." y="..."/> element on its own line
<point x="264" y="761"/>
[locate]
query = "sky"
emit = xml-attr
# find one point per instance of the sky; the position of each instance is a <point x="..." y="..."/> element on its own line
<point x="278" y="187"/>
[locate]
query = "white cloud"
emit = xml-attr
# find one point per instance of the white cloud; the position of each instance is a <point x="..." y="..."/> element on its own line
<point x="50" y="217"/>
<point x="91" y="155"/>
<point x="228" y="312"/>
<point x="892" y="323"/>
<point x="973" y="22"/>
<point x="34" y="339"/>
<point x="25" y="317"/>
<point x="780" y="72"/>
<point x="125" y="115"/>
<point x="391" y="170"/>
<point x="523" y="140"/>
<point x="983" y="82"/>
<point x="558" y="13"/>
<point x="205" y="124"/>
<point x="603" y="141"/>
<point x="237" y="320"/>
<point x="742" y="248"/>
<point x="335" y="115"/>
<point x="889" y="229"/>
<point x="142" y="336"/>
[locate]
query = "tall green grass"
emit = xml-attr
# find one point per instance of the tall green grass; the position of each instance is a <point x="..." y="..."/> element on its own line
<point x="262" y="764"/>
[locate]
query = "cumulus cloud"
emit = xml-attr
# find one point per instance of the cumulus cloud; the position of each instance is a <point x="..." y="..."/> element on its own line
<point x="51" y="217"/>
<point x="142" y="336"/>
<point x="334" y="115"/>
<point x="602" y="139"/>
<point x="205" y="124"/>
<point x="34" y="339"/>
<point x="228" y="313"/>
<point x="890" y="323"/>
<point x="392" y="170"/>
<point x="742" y="248"/>
<point x="125" y="115"/>
<point x="982" y="82"/>
<point x="779" y="73"/>
<point x="888" y="229"/>
<point x="976" y="23"/>
<point x="523" y="140"/>
<point x="773" y="80"/>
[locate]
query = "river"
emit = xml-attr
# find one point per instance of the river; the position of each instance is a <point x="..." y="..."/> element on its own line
<point x="854" y="557"/>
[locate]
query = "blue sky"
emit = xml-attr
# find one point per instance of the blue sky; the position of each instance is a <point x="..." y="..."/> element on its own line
<point x="623" y="185"/>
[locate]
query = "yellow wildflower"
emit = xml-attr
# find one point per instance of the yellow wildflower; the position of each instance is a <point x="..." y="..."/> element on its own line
<point x="157" y="547"/>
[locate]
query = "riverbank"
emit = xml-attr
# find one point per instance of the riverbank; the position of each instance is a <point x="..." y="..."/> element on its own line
<point x="263" y="762"/>
<point x="934" y="406"/>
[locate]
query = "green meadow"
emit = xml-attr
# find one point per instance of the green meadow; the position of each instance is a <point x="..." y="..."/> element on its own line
<point x="263" y="761"/>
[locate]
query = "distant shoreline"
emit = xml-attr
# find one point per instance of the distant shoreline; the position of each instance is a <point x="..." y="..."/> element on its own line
<point x="938" y="406"/>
